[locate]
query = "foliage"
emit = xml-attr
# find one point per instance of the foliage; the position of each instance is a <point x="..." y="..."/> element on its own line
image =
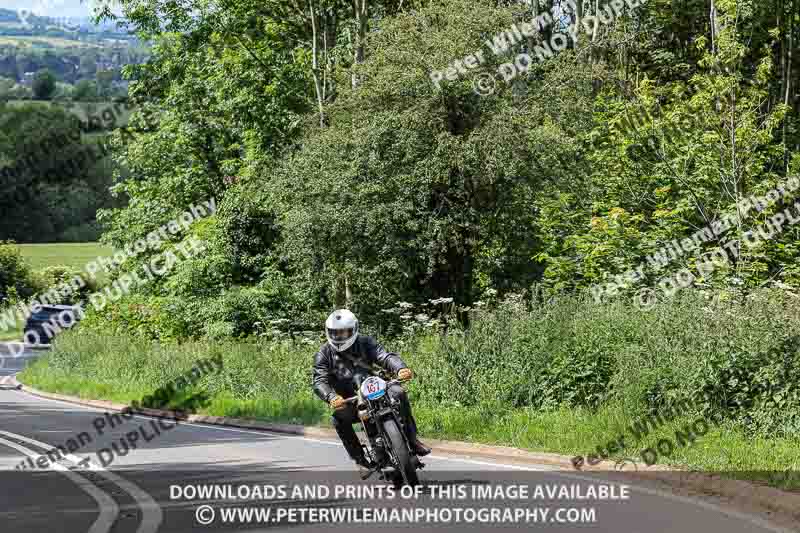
<point x="53" y="180"/>
<point x="16" y="280"/>
<point x="44" y="85"/>
<point x="588" y="370"/>
<point x="653" y="178"/>
<point x="345" y="176"/>
<point x="56" y="275"/>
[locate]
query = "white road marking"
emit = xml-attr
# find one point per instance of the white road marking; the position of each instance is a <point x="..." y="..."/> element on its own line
<point x="151" y="511"/>
<point x="636" y="488"/>
<point x="109" y="510"/>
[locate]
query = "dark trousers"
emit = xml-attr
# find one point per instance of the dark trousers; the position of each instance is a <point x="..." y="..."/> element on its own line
<point x="344" y="419"/>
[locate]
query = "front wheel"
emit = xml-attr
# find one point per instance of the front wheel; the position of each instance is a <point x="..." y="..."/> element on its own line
<point x="400" y="451"/>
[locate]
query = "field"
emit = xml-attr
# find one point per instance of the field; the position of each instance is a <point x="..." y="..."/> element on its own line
<point x="75" y="255"/>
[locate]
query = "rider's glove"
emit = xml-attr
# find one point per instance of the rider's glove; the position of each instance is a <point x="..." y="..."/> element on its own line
<point x="404" y="374"/>
<point x="337" y="403"/>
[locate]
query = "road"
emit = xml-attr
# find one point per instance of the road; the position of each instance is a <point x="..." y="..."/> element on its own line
<point x="149" y="488"/>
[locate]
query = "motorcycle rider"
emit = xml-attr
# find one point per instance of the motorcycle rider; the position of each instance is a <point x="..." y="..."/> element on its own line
<point x="342" y="364"/>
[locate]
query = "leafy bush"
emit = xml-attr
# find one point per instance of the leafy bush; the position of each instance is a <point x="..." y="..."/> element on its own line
<point x="147" y="317"/>
<point x="239" y="312"/>
<point x="15" y="275"/>
<point x="56" y="275"/>
<point x="738" y="359"/>
<point x="729" y="357"/>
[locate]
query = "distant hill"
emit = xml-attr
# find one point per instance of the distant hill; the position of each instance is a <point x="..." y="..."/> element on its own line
<point x="73" y="50"/>
<point x="52" y="8"/>
<point x="6" y="15"/>
<point x="11" y="24"/>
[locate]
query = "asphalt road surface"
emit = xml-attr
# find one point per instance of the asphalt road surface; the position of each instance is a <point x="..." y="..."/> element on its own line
<point x="104" y="481"/>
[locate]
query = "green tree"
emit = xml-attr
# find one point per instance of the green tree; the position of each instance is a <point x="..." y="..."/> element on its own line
<point x="85" y="91"/>
<point x="50" y="180"/>
<point x="44" y="85"/>
<point x="676" y="157"/>
<point x="16" y="280"/>
<point x="104" y="80"/>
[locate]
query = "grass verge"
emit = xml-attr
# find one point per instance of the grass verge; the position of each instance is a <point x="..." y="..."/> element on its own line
<point x="271" y="381"/>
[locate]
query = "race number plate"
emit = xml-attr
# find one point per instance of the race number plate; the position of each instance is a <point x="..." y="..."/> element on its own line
<point x="373" y="388"/>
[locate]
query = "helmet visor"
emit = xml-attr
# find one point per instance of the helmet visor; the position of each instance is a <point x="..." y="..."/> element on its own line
<point x="340" y="335"/>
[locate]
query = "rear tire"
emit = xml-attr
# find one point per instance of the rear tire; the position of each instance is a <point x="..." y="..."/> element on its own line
<point x="401" y="453"/>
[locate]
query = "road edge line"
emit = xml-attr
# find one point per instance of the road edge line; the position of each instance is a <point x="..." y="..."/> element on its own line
<point x="105" y="503"/>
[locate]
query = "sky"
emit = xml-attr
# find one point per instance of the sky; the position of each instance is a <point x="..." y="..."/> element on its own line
<point x="51" y="8"/>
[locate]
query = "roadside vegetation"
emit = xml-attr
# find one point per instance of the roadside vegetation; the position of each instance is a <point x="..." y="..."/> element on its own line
<point x="30" y="269"/>
<point x="466" y="230"/>
<point x="561" y="376"/>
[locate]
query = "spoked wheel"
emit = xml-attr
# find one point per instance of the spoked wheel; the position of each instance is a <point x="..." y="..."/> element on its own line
<point x="405" y="462"/>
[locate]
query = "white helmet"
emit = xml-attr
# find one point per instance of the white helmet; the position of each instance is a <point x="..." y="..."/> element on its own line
<point x="341" y="329"/>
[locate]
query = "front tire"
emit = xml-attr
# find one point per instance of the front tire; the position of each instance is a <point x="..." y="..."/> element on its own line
<point x="401" y="453"/>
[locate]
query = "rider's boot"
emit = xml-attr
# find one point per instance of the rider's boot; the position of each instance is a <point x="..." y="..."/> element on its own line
<point x="365" y="467"/>
<point x="420" y="449"/>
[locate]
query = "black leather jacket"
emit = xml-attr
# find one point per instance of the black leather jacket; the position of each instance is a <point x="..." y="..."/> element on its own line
<point x="340" y="372"/>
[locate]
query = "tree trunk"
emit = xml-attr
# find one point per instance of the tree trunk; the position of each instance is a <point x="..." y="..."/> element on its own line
<point x="318" y="87"/>
<point x="534" y="13"/>
<point x="361" y="13"/>
<point x="788" y="76"/>
<point x="714" y="27"/>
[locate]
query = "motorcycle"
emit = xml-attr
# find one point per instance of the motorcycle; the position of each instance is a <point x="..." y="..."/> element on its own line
<point x="387" y="445"/>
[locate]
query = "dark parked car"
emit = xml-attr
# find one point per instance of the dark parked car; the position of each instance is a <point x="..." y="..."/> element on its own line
<point x="48" y="322"/>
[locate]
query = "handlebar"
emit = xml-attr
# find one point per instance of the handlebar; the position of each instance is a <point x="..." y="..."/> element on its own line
<point x="353" y="399"/>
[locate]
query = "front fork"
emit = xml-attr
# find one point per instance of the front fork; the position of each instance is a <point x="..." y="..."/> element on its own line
<point x="375" y="447"/>
<point x="376" y="441"/>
